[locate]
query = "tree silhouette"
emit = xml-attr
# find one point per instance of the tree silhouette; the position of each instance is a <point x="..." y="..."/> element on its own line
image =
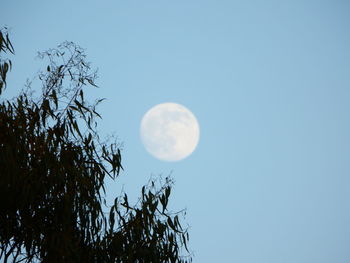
<point x="52" y="170"/>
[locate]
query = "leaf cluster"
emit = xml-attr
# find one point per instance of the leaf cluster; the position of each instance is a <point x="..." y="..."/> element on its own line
<point x="5" y="64"/>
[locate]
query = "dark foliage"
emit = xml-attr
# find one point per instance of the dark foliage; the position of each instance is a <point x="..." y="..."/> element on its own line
<point x="52" y="170"/>
<point x="5" y="64"/>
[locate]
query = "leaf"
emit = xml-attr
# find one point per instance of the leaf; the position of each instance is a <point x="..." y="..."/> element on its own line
<point x="73" y="108"/>
<point x="9" y="44"/>
<point x="76" y="128"/>
<point x="167" y="192"/>
<point x="170" y="223"/>
<point x="88" y="140"/>
<point x="6" y="67"/>
<point x="81" y="105"/>
<point x="54" y="96"/>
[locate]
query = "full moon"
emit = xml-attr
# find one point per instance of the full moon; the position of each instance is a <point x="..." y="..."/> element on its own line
<point x="169" y="131"/>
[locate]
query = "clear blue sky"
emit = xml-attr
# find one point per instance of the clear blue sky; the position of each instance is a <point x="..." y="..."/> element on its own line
<point x="269" y="82"/>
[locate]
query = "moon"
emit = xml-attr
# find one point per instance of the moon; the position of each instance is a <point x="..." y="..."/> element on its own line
<point x="169" y="131"/>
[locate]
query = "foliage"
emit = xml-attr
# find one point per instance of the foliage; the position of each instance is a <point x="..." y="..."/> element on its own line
<point x="5" y="64"/>
<point x="52" y="170"/>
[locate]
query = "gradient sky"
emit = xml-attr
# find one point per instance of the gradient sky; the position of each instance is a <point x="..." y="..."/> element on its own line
<point x="269" y="82"/>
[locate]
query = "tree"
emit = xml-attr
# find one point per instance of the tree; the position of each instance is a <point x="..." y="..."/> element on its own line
<point x="52" y="170"/>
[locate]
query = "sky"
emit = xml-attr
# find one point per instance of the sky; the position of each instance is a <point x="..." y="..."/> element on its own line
<point x="268" y="81"/>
